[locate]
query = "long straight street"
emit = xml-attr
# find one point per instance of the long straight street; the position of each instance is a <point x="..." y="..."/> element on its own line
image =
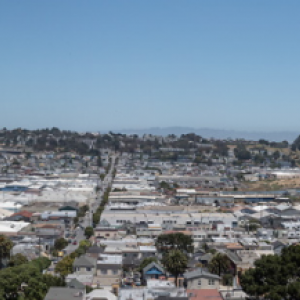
<point x="93" y="203"/>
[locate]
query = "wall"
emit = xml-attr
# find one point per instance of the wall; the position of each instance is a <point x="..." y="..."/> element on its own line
<point x="193" y="284"/>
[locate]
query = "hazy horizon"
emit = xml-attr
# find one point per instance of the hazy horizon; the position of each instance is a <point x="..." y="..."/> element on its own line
<point x="216" y="133"/>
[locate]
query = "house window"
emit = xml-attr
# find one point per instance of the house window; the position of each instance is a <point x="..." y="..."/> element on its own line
<point x="88" y="269"/>
<point x="199" y="282"/>
<point x="115" y="272"/>
<point x="103" y="272"/>
<point x="211" y="282"/>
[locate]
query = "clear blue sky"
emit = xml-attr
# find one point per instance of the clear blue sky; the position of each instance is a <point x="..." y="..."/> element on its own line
<point x="95" y="65"/>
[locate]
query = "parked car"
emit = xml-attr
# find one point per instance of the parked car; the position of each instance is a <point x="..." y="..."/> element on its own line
<point x="75" y="243"/>
<point x="138" y="283"/>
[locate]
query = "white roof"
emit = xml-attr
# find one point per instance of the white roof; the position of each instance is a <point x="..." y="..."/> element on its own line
<point x="155" y="283"/>
<point x="110" y="259"/>
<point x="9" y="226"/>
<point x="100" y="294"/>
<point x="186" y="191"/>
<point x="260" y="207"/>
<point x="285" y="206"/>
<point x="5" y="213"/>
<point x="147" y="248"/>
<point x="84" y="278"/>
<point x="10" y="204"/>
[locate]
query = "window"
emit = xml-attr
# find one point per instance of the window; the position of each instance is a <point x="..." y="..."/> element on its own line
<point x="103" y="272"/>
<point x="115" y="272"/>
<point x="211" y="282"/>
<point x="199" y="282"/>
<point x="88" y="269"/>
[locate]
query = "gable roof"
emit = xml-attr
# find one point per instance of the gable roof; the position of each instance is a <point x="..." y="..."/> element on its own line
<point x="207" y="256"/>
<point x="95" y="249"/>
<point x="153" y="265"/>
<point x="104" y="223"/>
<point x="277" y="244"/>
<point x="75" y="284"/>
<point x="64" y="293"/>
<point x="23" y="213"/>
<point x="84" y="261"/>
<point x="198" y="273"/>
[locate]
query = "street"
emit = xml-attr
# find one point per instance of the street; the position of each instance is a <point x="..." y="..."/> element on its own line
<point x="93" y="203"/>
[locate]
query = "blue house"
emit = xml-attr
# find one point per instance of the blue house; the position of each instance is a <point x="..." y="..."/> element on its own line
<point x="153" y="271"/>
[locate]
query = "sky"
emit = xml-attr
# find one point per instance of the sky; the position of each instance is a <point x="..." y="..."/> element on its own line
<point x="105" y="65"/>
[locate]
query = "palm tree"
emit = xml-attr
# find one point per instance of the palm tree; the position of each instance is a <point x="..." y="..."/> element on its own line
<point x="5" y="246"/>
<point x="219" y="264"/>
<point x="175" y="263"/>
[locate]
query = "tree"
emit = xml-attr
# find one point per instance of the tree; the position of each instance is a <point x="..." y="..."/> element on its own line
<point x="26" y="281"/>
<point x="76" y="221"/>
<point x="296" y="144"/>
<point x="259" y="159"/>
<point x="88" y="289"/>
<point x="64" y="267"/>
<point x="274" y="277"/>
<point x="5" y="246"/>
<point x="146" y="261"/>
<point x="85" y="244"/>
<point x="82" y="211"/>
<point x="96" y="218"/>
<point x="219" y="264"/>
<point x="88" y="232"/>
<point x="60" y="244"/>
<point x="175" y="262"/>
<point x="241" y="152"/>
<point x="227" y="279"/>
<point x="221" y="148"/>
<point x="263" y="142"/>
<point x="175" y="241"/>
<point x="164" y="185"/>
<point x="99" y="161"/>
<point x="212" y="251"/>
<point x="17" y="259"/>
<point x="79" y="251"/>
<point x="35" y="289"/>
<point x="276" y="155"/>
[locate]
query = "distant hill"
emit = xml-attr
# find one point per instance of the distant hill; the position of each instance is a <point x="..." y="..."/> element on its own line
<point x="276" y="136"/>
